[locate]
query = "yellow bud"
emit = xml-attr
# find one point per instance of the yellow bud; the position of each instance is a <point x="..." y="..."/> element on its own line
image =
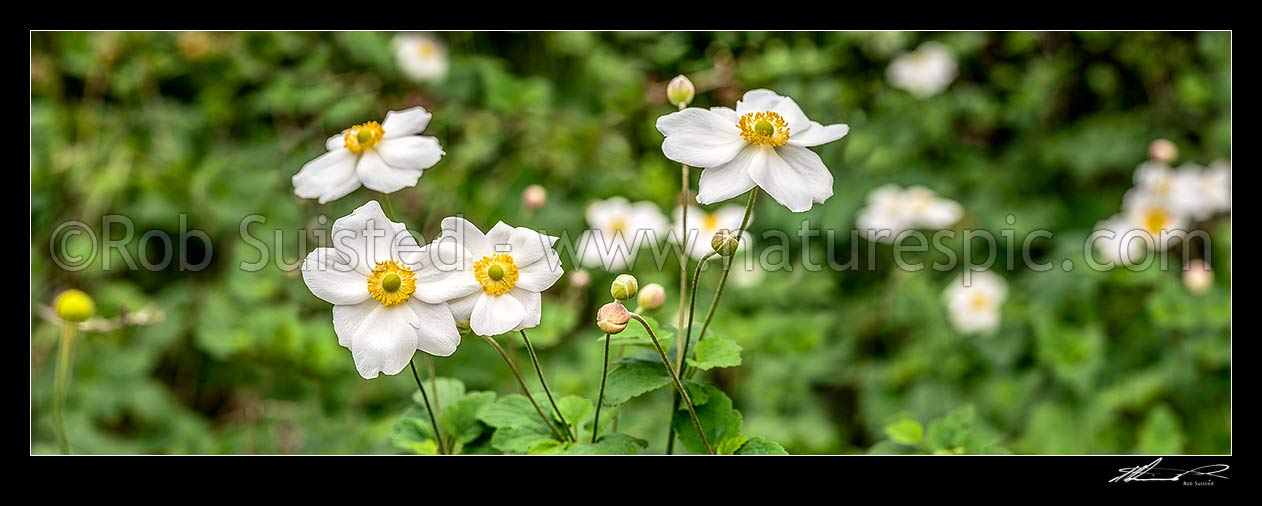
<point x="624" y="287"/>
<point x="74" y="306"/>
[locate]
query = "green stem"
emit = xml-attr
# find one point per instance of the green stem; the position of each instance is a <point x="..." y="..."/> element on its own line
<point x="600" y="399"/>
<point x="524" y="389"/>
<point x="684" y="343"/>
<point x="679" y="385"/>
<point x="389" y="208"/>
<point x="685" y="197"/>
<point x="60" y="383"/>
<point x="727" y="267"/>
<point x="442" y="445"/>
<point x="433" y="385"/>
<point x="547" y="391"/>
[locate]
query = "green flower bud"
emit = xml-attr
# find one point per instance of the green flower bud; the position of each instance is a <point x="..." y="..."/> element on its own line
<point x="680" y="91"/>
<point x="74" y="306"/>
<point x="463" y="328"/>
<point x="725" y="242"/>
<point x="612" y="318"/>
<point x="651" y="297"/>
<point x="624" y="287"/>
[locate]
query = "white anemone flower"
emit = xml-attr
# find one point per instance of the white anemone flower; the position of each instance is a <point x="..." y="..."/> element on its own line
<point x="1118" y="242"/>
<point x="385" y="157"/>
<point x="1157" y="218"/>
<point x="617" y="229"/>
<point x="375" y="277"/>
<point x="420" y="56"/>
<point x="762" y="143"/>
<point x="924" y="72"/>
<point x="1201" y="192"/>
<point x="974" y="306"/>
<point x="1155" y="179"/>
<point x="892" y="210"/>
<point x="491" y="280"/>
<point x="702" y="225"/>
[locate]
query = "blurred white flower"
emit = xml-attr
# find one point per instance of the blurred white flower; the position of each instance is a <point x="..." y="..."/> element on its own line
<point x="974" y="308"/>
<point x="746" y="270"/>
<point x="924" y="72"/>
<point x="1118" y="242"/>
<point x="421" y="57"/>
<point x="892" y="210"/>
<point x="617" y="230"/>
<point x="1156" y="217"/>
<point x="1200" y="192"/>
<point x="1155" y="179"/>
<point x="702" y="226"/>
<point x="384" y="157"/>
<point x="762" y="143"/>
<point x="491" y="280"/>
<point x="374" y="276"/>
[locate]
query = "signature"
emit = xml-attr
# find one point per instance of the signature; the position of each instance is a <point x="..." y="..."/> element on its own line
<point x="1151" y="472"/>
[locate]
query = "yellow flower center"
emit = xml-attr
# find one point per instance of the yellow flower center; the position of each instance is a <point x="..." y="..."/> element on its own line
<point x="391" y="283"/>
<point x="361" y="137"/>
<point x="764" y="128"/>
<point x="497" y="273"/>
<point x="618" y="225"/>
<point x="711" y="221"/>
<point x="978" y="302"/>
<point x="426" y="49"/>
<point x="1156" y="220"/>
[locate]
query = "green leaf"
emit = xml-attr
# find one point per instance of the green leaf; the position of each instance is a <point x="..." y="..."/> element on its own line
<point x="908" y="432"/>
<point x="718" y="419"/>
<point x="547" y="447"/>
<point x="575" y="409"/>
<point x="609" y="444"/>
<point x="716" y="351"/>
<point x="518" y="427"/>
<point x="1161" y="432"/>
<point x="730" y="445"/>
<point x="450" y="391"/>
<point x="519" y="439"/>
<point x="460" y="420"/>
<point x="634" y="377"/>
<point x="950" y="433"/>
<point x="760" y="446"/>
<point x="413" y="432"/>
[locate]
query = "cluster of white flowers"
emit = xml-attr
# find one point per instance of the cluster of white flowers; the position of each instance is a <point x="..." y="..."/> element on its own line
<point x="892" y="209"/>
<point x="1160" y="208"/>
<point x="973" y="301"/>
<point x="924" y="72"/>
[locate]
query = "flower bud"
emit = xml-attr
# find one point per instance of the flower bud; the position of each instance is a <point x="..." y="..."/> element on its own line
<point x="612" y="318"/>
<point x="463" y="328"/>
<point x="624" y="287"/>
<point x="580" y="279"/>
<point x="651" y="297"/>
<point x="680" y="91"/>
<point x="74" y="306"/>
<point x="1163" y="150"/>
<point x="534" y="197"/>
<point x="1198" y="277"/>
<point x="725" y="242"/>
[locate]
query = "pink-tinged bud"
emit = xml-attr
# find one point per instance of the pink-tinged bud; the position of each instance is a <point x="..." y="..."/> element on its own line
<point x="534" y="197"/>
<point x="1163" y="150"/>
<point x="651" y="297"/>
<point x="1197" y="277"/>
<point x="612" y="318"/>
<point x="680" y="91"/>
<point x="580" y="279"/>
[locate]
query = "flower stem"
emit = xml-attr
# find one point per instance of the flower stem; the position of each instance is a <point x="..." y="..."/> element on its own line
<point x="442" y="445"/>
<point x="685" y="197"/>
<point x="433" y="385"/>
<point x="600" y="398"/>
<point x="522" y="383"/>
<point x="682" y="366"/>
<point x="60" y="382"/>
<point x="727" y="267"/>
<point x="389" y="210"/>
<point x="679" y="385"/>
<point x="548" y="391"/>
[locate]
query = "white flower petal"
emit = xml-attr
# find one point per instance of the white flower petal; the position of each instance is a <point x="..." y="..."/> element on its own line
<point x="818" y="134"/>
<point x="332" y="279"/>
<point x="495" y="315"/>
<point x="532" y="304"/>
<point x="791" y="172"/>
<point x="699" y="137"/>
<point x="418" y="152"/>
<point x="788" y="109"/>
<point x="730" y="216"/>
<point x="602" y="213"/>
<point x="436" y="328"/>
<point x="337" y="141"/>
<point x="757" y="101"/>
<point x="609" y="251"/>
<point x="467" y="235"/>
<point x="541" y="275"/>
<point x="406" y="122"/>
<point x="444" y="271"/>
<point x="327" y="177"/>
<point x="385" y="341"/>
<point x="380" y="176"/>
<point x="727" y="113"/>
<point x="366" y="237"/>
<point x="528" y="246"/>
<point x="347" y="319"/>
<point x="728" y="180"/>
<point x="462" y="308"/>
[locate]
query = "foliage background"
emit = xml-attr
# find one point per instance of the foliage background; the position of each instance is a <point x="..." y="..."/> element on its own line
<point x="1047" y="127"/>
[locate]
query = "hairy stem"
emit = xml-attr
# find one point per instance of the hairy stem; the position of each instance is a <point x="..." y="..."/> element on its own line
<point x="600" y="398"/>
<point x="727" y="266"/>
<point x="548" y="391"/>
<point x="679" y="385"/>
<point x="438" y="436"/>
<point x="524" y="389"/>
